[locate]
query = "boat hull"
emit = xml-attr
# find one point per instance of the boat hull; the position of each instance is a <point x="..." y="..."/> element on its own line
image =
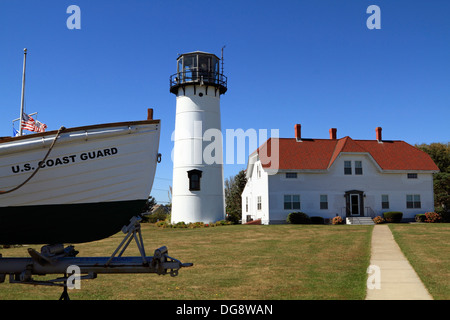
<point x="66" y="223"/>
<point x="93" y="181"/>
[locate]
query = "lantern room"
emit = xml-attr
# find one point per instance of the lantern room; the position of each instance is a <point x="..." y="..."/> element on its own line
<point x="198" y="68"/>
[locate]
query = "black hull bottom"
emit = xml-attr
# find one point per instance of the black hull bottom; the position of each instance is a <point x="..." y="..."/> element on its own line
<point x="68" y="223"/>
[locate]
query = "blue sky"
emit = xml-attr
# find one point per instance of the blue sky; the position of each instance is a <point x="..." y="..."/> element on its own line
<point x="313" y="62"/>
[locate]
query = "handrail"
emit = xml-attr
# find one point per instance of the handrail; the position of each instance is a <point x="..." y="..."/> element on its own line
<point x="370" y="212"/>
<point x="196" y="75"/>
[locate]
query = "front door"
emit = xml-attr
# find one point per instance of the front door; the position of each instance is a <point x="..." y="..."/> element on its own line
<point x="354" y="203"/>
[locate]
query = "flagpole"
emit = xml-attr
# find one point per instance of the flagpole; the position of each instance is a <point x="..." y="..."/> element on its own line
<point x="23" y="90"/>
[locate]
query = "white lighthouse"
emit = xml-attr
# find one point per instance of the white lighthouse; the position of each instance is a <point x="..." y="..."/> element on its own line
<point x="198" y="193"/>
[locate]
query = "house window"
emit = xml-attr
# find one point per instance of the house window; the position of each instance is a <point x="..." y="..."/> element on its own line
<point x="258" y="171"/>
<point x="194" y="179"/>
<point x="347" y="167"/>
<point x="384" y="201"/>
<point x="291" y="175"/>
<point x="412" y="175"/>
<point x="291" y="201"/>
<point x="323" y="201"/>
<point x="358" y="167"/>
<point x="413" y="201"/>
<point x="259" y="204"/>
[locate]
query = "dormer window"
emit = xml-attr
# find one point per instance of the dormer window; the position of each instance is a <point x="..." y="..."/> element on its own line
<point x="347" y="167"/>
<point x="358" y="167"/>
<point x="194" y="179"/>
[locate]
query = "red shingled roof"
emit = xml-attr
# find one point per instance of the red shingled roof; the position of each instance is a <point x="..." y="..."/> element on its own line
<point x="320" y="154"/>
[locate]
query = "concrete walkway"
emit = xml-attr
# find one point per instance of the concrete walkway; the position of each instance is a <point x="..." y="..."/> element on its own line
<point x="398" y="280"/>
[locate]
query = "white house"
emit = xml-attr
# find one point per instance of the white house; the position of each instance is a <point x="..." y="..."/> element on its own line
<point x="330" y="177"/>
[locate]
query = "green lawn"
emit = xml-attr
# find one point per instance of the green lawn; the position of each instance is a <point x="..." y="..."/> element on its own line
<point x="427" y="247"/>
<point x="231" y="262"/>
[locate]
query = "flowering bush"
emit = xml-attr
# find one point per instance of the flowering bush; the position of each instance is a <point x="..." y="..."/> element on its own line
<point x="432" y="217"/>
<point x="378" y="220"/>
<point x="193" y="225"/>
<point x="337" y="220"/>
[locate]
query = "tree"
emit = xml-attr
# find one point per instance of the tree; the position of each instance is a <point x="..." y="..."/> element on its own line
<point x="151" y="202"/>
<point x="440" y="153"/>
<point x="233" y="191"/>
<point x="441" y="182"/>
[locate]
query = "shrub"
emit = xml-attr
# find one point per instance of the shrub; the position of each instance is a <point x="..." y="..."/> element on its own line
<point x="445" y="215"/>
<point x="393" y="216"/>
<point x="191" y="225"/>
<point x="298" y="218"/>
<point x="420" y="217"/>
<point x="337" y="220"/>
<point x="194" y="225"/>
<point x="180" y="224"/>
<point x="317" y="220"/>
<point x="154" y="217"/>
<point x="432" y="217"/>
<point x="163" y="224"/>
<point x="223" y="223"/>
<point x="378" y="220"/>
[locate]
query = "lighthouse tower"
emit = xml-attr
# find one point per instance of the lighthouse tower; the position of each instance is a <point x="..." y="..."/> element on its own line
<point x="198" y="192"/>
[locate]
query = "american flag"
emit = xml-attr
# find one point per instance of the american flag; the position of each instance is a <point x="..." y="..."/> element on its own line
<point x="39" y="126"/>
<point x="28" y="123"/>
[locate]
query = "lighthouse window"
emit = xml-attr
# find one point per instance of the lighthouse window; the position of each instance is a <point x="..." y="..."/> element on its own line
<point x="203" y="63"/>
<point x="216" y="66"/>
<point x="204" y="67"/>
<point x="180" y="65"/>
<point x="190" y="64"/>
<point x="194" y="179"/>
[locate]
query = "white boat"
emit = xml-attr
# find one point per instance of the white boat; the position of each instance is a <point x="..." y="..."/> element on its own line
<point x="92" y="182"/>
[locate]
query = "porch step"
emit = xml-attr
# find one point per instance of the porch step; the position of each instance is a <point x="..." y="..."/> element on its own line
<point x="359" y="220"/>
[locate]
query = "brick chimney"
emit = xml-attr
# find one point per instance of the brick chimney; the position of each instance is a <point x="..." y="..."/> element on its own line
<point x="378" y="132"/>
<point x="149" y="114"/>
<point x="333" y="132"/>
<point x="298" y="132"/>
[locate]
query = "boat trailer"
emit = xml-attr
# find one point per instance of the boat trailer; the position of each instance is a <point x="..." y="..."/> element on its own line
<point x="55" y="259"/>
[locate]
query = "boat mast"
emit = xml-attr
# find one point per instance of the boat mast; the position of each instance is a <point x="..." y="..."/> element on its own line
<point x="23" y="90"/>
